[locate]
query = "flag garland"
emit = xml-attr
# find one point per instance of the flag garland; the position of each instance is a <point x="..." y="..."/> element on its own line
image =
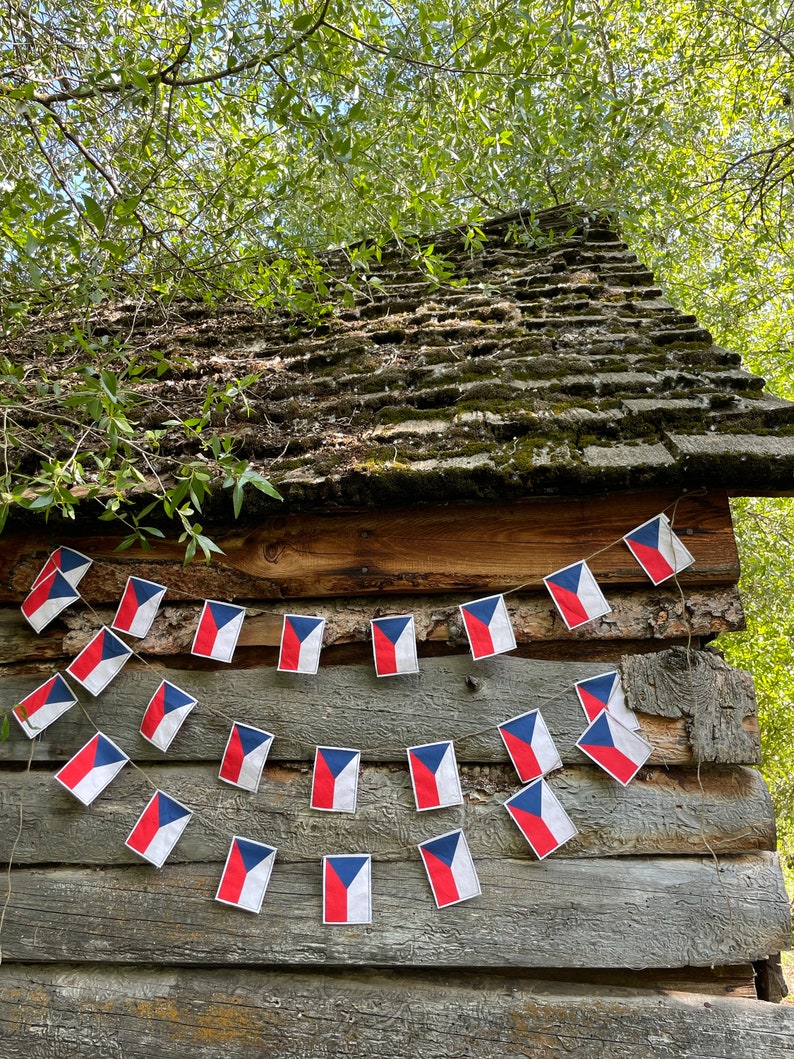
<point x="658" y="550"/>
<point x="46" y="704"/>
<point x="166" y="713"/>
<point x="530" y="746"/>
<point x="347" y="888"/>
<point x="576" y="594"/>
<point x="246" y="874"/>
<point x="609" y="740"/>
<point x="434" y="775"/>
<point x="138" y="608"/>
<point x="335" y="779"/>
<point x="450" y="868"/>
<point x="540" y="818"/>
<point x="99" y="661"/>
<point x="301" y="643"/>
<point x="244" y="757"/>
<point x="92" y="769"/>
<point x="488" y="627"/>
<point x="394" y="645"/>
<point x="159" y="828"/>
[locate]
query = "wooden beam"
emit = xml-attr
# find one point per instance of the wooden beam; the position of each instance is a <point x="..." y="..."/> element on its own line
<point x="696" y="685"/>
<point x="468" y="548"/>
<point x="724" y="810"/>
<point x="159" y="1014"/>
<point x="600" y="912"/>
<point x="658" y="614"/>
<point x="450" y="698"/>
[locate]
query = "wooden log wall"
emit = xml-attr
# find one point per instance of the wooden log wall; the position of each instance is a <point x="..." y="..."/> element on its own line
<point x="672" y="882"/>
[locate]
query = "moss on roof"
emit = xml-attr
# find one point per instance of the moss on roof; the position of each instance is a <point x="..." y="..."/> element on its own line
<point x="547" y="363"/>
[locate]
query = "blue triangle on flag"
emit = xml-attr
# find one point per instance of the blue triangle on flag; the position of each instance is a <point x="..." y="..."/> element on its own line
<point x="347" y="868"/>
<point x="444" y="848"/>
<point x="432" y="755"/>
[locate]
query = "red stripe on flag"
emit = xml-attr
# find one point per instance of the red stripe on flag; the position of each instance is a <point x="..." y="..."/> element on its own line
<point x="232" y="763"/>
<point x="87" y="661"/>
<point x="614" y="761"/>
<point x="128" y="608"/>
<point x="653" y="561"/>
<point x="324" y="785"/>
<point x="524" y="757"/>
<point x="153" y="715"/>
<point x="425" y="784"/>
<point x="146" y="828"/>
<point x="443" y="881"/>
<point x="233" y="878"/>
<point x="385" y="652"/>
<point x="207" y="634"/>
<point x="592" y="705"/>
<point x="335" y="897"/>
<point x="479" y="635"/>
<point x="76" y="769"/>
<point x="570" y="604"/>
<point x="290" y="648"/>
<point x="536" y="830"/>
<point x="38" y="595"/>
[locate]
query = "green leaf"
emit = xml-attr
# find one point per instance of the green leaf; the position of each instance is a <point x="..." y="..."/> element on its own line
<point x="94" y="212"/>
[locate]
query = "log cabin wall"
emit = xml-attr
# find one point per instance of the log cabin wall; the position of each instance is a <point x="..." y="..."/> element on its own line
<point x="653" y="932"/>
<point x="671" y="884"/>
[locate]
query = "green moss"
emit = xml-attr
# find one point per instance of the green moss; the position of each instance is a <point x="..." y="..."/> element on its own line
<point x="405" y="413"/>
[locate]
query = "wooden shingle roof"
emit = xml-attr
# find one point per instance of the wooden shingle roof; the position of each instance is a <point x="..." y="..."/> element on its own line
<point x="547" y="362"/>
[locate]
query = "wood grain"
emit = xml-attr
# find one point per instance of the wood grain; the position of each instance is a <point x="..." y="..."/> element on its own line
<point x="697" y="685"/>
<point x="477" y="547"/>
<point x="600" y="912"/>
<point x="727" y="810"/>
<point x="450" y="698"/>
<point x="130" y="1013"/>
<point x="659" y="614"/>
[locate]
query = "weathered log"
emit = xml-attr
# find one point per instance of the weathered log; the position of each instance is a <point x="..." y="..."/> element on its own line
<point x="658" y="614"/>
<point x="695" y="685"/>
<point x="724" y="810"/>
<point x="478" y="547"/>
<point x="150" y="1014"/>
<point x="602" y="912"/>
<point x="450" y="698"/>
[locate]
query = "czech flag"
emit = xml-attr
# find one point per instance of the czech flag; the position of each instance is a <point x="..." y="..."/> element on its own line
<point x="347" y="888"/>
<point x="218" y="630"/>
<point x="658" y="550"/>
<point x="540" y="818"/>
<point x="246" y="874"/>
<point x="72" y="564"/>
<point x="158" y="829"/>
<point x="577" y="595"/>
<point x="450" y="869"/>
<point x="394" y="645"/>
<point x="44" y="705"/>
<point x="434" y="775"/>
<point x="91" y="769"/>
<point x="244" y="757"/>
<point x="605" y="692"/>
<point x="617" y="749"/>
<point x="530" y="746"/>
<point x="488" y="626"/>
<point x="167" y="711"/>
<point x="138" y="608"/>
<point x="301" y="643"/>
<point x="335" y="780"/>
<point x="99" y="661"/>
<point x="48" y="597"/>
